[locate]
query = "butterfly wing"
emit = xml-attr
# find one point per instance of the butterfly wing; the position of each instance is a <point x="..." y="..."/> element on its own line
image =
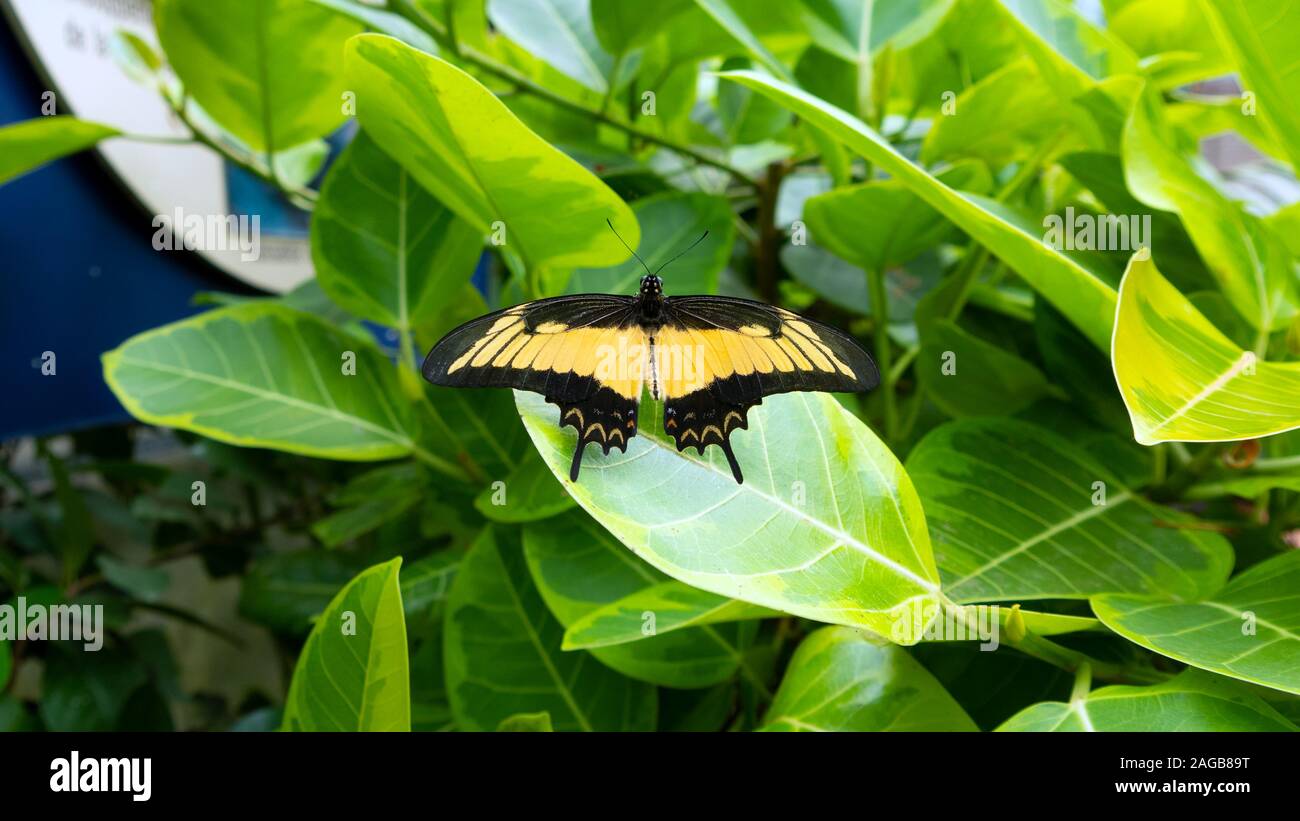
<point x="717" y="357"/>
<point x="584" y="353"/>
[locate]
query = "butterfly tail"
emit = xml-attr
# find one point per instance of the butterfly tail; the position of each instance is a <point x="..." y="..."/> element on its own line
<point x="577" y="459"/>
<point x="731" y="460"/>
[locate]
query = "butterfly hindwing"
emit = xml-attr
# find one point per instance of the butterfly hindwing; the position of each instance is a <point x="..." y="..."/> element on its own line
<point x="605" y="418"/>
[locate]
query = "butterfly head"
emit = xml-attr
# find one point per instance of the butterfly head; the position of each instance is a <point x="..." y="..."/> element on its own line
<point x="651" y="286"/>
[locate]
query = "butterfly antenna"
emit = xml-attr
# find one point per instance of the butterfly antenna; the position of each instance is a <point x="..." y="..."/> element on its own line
<point x="683" y="253"/>
<point x="628" y="247"/>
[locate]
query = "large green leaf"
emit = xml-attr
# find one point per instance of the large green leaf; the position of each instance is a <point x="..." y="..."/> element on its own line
<point x="1248" y="630"/>
<point x="472" y="153"/>
<point x="1174" y="38"/>
<point x="383" y="248"/>
<point x="1182" y="379"/>
<point x="559" y="32"/>
<point x="725" y="15"/>
<point x="839" y="680"/>
<point x="675" y="606"/>
<point x="880" y="224"/>
<point x="1191" y="702"/>
<point x="262" y="375"/>
<point x="1259" y="35"/>
<point x="28" y="145"/>
<point x="1077" y="292"/>
<point x="1247" y="257"/>
<point x="826" y="525"/>
<point x="352" y="673"/>
<point x="269" y="72"/>
<point x="1072" y="53"/>
<point x="1015" y="514"/>
<point x="670" y="222"/>
<point x="503" y="652"/>
<point x="579" y="568"/>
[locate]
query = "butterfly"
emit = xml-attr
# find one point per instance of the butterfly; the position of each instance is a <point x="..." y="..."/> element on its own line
<point x="708" y="358"/>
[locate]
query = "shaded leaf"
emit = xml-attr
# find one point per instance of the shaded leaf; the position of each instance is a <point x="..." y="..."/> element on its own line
<point x="1248" y="630"/>
<point x="675" y="606"/>
<point x="503" y="653"/>
<point x="839" y="680"/>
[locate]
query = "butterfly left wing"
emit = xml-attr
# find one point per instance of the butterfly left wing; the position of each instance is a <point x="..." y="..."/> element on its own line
<point x="583" y="353"/>
<point x="717" y="357"/>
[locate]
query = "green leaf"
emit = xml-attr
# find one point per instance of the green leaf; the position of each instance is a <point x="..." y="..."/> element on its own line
<point x="670" y="222"/>
<point x="430" y="116"/>
<point x="87" y="692"/>
<point x="1191" y="702"/>
<point x="880" y="224"/>
<point x="6" y="664"/>
<point x="620" y="25"/>
<point x="1072" y="53"/>
<point x="28" y="145"/>
<point x="1075" y="291"/>
<point x="838" y="680"/>
<point x="1248" y="630"/>
<point x="558" y="32"/>
<point x="262" y="375"/>
<point x="579" y="568"/>
<point x="1015" y="514"/>
<point x="526" y="723"/>
<point x="1173" y="36"/>
<point x="145" y="583"/>
<point x="353" y="671"/>
<point x="529" y="494"/>
<point x="1184" y="381"/>
<point x="349" y="523"/>
<point x="503" y="653"/>
<point x="269" y="72"/>
<point x="1247" y="258"/>
<point x="675" y="606"/>
<point x="1257" y="35"/>
<point x="1005" y="115"/>
<point x="826" y="526"/>
<point x="383" y="248"/>
<point x="966" y="376"/>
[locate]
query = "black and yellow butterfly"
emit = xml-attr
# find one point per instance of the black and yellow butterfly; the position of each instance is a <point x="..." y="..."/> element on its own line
<point x="709" y="358"/>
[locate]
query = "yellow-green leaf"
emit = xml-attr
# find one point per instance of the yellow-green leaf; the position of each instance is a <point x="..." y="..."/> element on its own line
<point x="1182" y="379"/>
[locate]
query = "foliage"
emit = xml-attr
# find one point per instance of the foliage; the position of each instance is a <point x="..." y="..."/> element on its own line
<point x="1087" y="331"/>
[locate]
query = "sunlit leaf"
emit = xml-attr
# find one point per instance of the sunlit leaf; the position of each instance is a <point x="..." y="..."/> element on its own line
<point x="429" y="116"/>
<point x="1183" y="380"/>
<point x="675" y="606"/>
<point x="825" y="526"/>
<point x="262" y="375"/>
<point x="352" y="673"/>
<point x="28" y="145"/>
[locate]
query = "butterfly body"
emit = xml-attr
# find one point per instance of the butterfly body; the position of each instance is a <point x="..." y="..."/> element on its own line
<point x="708" y="358"/>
